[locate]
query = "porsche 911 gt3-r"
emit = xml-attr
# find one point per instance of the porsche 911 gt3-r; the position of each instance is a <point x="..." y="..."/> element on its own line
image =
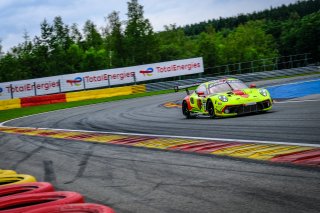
<point x="225" y="98"/>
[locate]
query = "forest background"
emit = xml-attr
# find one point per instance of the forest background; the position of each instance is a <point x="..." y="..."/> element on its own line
<point x="62" y="49"/>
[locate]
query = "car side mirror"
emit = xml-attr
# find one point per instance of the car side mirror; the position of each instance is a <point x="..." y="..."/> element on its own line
<point x="253" y="86"/>
<point x="200" y="93"/>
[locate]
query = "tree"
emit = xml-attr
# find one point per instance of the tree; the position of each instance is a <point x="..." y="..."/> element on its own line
<point x="75" y="34"/>
<point x="92" y="37"/>
<point x="75" y="57"/>
<point x="249" y="42"/>
<point x="115" y="41"/>
<point x="174" y="44"/>
<point x="94" y="59"/>
<point x="60" y="41"/>
<point x="207" y="47"/>
<point x="141" y="45"/>
<point x="301" y="36"/>
<point x="1" y="53"/>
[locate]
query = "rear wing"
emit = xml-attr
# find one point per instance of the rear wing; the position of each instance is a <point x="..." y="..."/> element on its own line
<point x="186" y="87"/>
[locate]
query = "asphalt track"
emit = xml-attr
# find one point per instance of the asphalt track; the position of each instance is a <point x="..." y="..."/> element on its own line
<point x="295" y="121"/>
<point x="142" y="180"/>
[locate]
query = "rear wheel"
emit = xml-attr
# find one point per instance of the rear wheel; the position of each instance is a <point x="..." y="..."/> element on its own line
<point x="210" y="109"/>
<point x="185" y="110"/>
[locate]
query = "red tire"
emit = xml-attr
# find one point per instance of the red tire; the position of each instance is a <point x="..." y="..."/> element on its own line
<point x="26" y="188"/>
<point x="79" y="208"/>
<point x="28" y="202"/>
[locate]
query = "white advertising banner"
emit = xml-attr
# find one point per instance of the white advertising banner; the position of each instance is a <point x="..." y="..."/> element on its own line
<point x="100" y="78"/>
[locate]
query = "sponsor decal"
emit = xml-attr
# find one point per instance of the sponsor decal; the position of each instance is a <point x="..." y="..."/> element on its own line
<point x="29" y="87"/>
<point x="147" y="72"/>
<point x="105" y="77"/>
<point x="76" y="82"/>
<point x="175" y="67"/>
<point x="1" y="90"/>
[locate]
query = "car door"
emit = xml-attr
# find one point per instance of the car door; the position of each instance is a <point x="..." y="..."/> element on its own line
<point x="197" y="100"/>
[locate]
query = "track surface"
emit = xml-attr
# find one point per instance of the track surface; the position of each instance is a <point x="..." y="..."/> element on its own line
<point x="142" y="180"/>
<point x="288" y="122"/>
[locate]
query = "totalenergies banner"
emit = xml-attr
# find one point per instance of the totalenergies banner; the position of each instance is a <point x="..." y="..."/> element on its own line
<point x="100" y="78"/>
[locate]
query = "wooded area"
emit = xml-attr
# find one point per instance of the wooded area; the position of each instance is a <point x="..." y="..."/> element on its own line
<point x="63" y="49"/>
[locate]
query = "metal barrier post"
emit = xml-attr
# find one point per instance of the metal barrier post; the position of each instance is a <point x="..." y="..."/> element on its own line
<point x="134" y="79"/>
<point x="109" y="81"/>
<point x="84" y="84"/>
<point x="305" y="59"/>
<point x="59" y="86"/>
<point x="252" y="68"/>
<point x="35" y="88"/>
<point x="11" y="91"/>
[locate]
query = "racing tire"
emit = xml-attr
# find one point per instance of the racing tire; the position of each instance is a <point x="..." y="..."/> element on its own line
<point x="16" y="179"/>
<point x="25" y="188"/>
<point x="210" y="109"/>
<point x="185" y="110"/>
<point x="78" y="207"/>
<point x="28" y="202"/>
<point x="7" y="172"/>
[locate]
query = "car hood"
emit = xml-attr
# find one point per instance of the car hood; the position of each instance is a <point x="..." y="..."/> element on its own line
<point x="243" y="96"/>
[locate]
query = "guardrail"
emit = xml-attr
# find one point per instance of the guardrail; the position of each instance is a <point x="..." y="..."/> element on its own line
<point x="247" y="77"/>
<point x="266" y="64"/>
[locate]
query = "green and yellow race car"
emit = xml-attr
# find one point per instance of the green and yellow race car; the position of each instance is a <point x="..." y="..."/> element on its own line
<point x="224" y="98"/>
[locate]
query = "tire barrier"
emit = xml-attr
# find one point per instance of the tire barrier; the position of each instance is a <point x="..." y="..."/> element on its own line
<point x="7" y="172"/>
<point x="76" y="208"/>
<point x="20" y="193"/>
<point x="26" y="188"/>
<point x="28" y="202"/>
<point x="16" y="179"/>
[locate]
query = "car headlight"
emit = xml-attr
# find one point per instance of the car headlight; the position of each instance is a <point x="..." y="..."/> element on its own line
<point x="263" y="92"/>
<point x="223" y="98"/>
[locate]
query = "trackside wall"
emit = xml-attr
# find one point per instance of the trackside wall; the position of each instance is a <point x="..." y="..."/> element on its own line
<point x="70" y="97"/>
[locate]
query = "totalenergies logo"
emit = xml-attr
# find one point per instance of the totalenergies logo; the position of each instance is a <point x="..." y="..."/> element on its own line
<point x="147" y="72"/>
<point x="1" y="90"/>
<point x="76" y="82"/>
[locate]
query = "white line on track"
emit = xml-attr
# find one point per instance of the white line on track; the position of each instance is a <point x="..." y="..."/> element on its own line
<point x="295" y="101"/>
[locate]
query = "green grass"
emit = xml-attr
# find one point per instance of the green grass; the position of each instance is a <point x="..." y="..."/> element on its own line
<point x="15" y="113"/>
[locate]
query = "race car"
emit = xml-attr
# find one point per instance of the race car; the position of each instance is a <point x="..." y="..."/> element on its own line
<point x="224" y="98"/>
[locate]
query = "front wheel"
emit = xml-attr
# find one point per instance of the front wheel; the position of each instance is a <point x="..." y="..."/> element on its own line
<point x="185" y="110"/>
<point x="210" y="109"/>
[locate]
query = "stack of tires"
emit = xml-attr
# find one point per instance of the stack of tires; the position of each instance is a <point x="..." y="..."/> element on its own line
<point x="20" y="193"/>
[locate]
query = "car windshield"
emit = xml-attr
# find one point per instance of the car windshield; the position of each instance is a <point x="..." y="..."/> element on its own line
<point x="225" y="86"/>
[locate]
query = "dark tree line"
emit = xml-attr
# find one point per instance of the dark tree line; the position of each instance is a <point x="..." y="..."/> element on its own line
<point x="282" y="13"/>
<point x="63" y="49"/>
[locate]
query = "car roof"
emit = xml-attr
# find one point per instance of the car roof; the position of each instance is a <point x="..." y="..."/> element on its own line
<point x="222" y="80"/>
